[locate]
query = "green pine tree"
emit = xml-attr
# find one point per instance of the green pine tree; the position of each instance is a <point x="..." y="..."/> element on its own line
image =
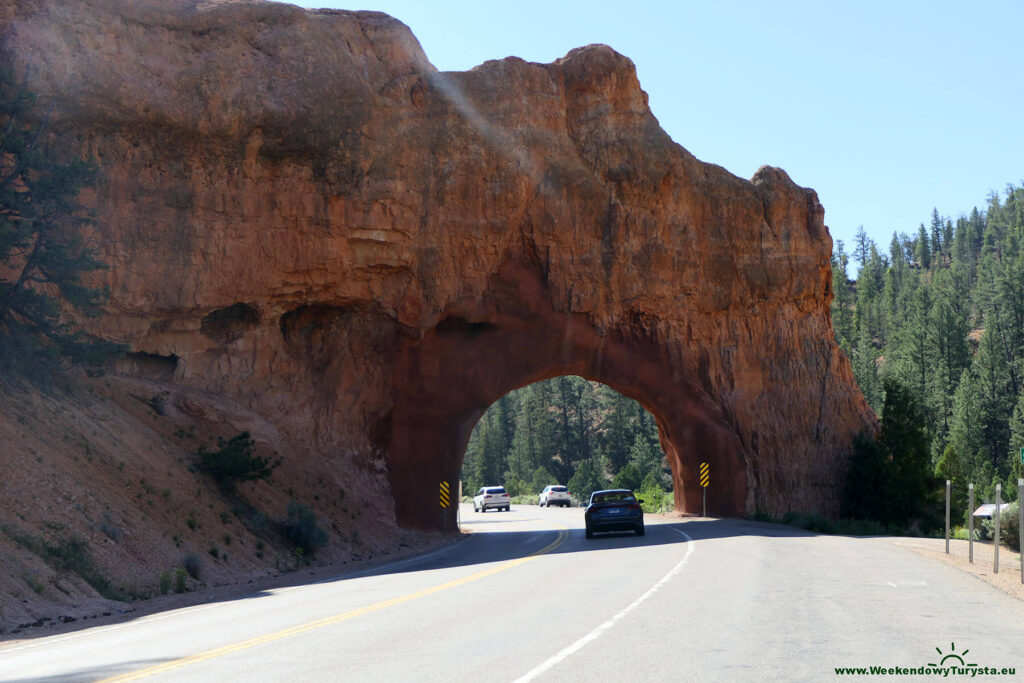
<point x="586" y="481"/>
<point x="922" y="249"/>
<point x="43" y="246"/>
<point x="842" y="302"/>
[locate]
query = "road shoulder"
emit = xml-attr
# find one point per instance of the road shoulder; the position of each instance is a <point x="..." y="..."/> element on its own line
<point x="1007" y="580"/>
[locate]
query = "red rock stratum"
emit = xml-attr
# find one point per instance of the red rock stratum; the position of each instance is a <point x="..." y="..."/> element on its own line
<point x="302" y="214"/>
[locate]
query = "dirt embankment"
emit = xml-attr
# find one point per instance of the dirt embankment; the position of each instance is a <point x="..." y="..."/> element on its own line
<point x="103" y="507"/>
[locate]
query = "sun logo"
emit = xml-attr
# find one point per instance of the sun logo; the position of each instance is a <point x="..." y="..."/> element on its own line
<point x="952" y="655"/>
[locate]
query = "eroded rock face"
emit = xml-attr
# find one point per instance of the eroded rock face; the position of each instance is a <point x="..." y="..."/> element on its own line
<point x="301" y="213"/>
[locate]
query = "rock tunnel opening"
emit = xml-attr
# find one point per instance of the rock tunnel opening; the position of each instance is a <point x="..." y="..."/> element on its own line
<point x="567" y="431"/>
<point x="477" y="354"/>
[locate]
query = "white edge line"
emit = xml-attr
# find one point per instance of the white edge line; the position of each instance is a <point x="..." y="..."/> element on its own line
<point x="564" y="654"/>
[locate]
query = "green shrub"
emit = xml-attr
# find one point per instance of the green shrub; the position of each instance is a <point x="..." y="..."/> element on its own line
<point x="1009" y="531"/>
<point x="629" y="477"/>
<point x="34" y="583"/>
<point x="515" y="486"/>
<point x="180" y="580"/>
<point x="656" y="501"/>
<point x="586" y="481"/>
<point x="193" y="564"/>
<point x="233" y="462"/>
<point x="72" y="554"/>
<point x="165" y="582"/>
<point x="112" y="532"/>
<point x="839" y="527"/>
<point x="302" y="530"/>
<point x="541" y="478"/>
<point x="860" y="527"/>
<point x="810" y="522"/>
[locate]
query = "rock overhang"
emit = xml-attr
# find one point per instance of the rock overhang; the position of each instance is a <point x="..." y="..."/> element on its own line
<point x="288" y="165"/>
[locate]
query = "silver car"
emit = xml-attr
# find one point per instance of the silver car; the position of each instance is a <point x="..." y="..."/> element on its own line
<point x="495" y="497"/>
<point x="555" y="495"/>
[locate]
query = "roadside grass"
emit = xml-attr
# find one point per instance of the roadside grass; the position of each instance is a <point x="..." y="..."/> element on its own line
<point x="69" y="553"/>
<point x="657" y="501"/>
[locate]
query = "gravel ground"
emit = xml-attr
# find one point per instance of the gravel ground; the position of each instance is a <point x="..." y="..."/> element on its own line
<point x="1008" y="579"/>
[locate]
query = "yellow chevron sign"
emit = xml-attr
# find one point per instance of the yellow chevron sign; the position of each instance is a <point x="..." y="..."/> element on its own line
<point x="705" y="476"/>
<point x="445" y="498"/>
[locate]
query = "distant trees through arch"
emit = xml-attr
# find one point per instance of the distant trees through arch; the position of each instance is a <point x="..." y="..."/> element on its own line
<point x="566" y="430"/>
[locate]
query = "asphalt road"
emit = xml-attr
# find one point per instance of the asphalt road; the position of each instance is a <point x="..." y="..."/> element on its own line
<point x="527" y="597"/>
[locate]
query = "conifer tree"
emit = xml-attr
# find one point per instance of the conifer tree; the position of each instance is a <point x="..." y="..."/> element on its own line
<point x="936" y="235"/>
<point x="865" y="370"/>
<point x="44" y="253"/>
<point x="842" y="301"/>
<point x="922" y="249"/>
<point x="861" y="246"/>
<point x="965" y="431"/>
<point x="995" y="401"/>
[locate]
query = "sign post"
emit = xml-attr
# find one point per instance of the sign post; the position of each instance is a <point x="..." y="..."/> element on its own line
<point x="947" y="516"/>
<point x="445" y="502"/>
<point x="970" y="521"/>
<point x="705" y="479"/>
<point x="995" y="517"/>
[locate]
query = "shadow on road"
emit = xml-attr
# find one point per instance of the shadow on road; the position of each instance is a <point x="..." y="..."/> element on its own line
<point x="495" y="546"/>
<point x="93" y="674"/>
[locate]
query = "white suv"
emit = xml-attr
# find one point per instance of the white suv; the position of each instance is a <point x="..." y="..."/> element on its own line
<point x="491" y="497"/>
<point x="555" y="495"/>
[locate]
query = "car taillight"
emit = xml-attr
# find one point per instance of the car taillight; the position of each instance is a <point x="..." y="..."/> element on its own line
<point x="487" y="496"/>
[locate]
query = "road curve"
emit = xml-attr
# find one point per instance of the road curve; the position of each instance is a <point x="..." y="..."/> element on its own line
<point x="527" y="597"/>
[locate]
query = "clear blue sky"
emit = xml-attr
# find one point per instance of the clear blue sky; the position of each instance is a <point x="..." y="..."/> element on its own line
<point x="886" y="109"/>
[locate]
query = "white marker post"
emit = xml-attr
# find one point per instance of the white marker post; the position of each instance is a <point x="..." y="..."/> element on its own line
<point x="947" y="516"/>
<point x="1020" y="523"/>
<point x="970" y="521"/>
<point x="999" y="491"/>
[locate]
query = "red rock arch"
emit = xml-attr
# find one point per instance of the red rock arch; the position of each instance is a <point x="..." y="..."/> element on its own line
<point x="366" y="252"/>
<point x="474" y="356"/>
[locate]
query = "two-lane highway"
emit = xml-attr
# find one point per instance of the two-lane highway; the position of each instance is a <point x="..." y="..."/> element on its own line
<point x="527" y="597"/>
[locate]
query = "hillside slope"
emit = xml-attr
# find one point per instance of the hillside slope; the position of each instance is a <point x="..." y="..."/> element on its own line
<point x="101" y="497"/>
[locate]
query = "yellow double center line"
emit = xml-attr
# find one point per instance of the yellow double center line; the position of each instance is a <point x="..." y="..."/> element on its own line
<point x="563" y="534"/>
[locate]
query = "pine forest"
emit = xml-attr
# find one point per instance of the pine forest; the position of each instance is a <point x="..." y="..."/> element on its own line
<point x="940" y="313"/>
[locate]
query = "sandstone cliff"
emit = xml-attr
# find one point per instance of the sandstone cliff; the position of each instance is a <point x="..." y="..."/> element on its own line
<point x="301" y="214"/>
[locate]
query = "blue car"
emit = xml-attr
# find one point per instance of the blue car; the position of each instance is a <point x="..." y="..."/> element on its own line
<point x="614" y="510"/>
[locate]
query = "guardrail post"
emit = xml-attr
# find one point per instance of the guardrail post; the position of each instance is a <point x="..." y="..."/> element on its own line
<point x="947" y="516"/>
<point x="970" y="521"/>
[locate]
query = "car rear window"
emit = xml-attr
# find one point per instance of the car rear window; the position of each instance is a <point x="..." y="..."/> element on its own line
<point x="614" y="497"/>
<point x="558" y="489"/>
<point x="495" y="490"/>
